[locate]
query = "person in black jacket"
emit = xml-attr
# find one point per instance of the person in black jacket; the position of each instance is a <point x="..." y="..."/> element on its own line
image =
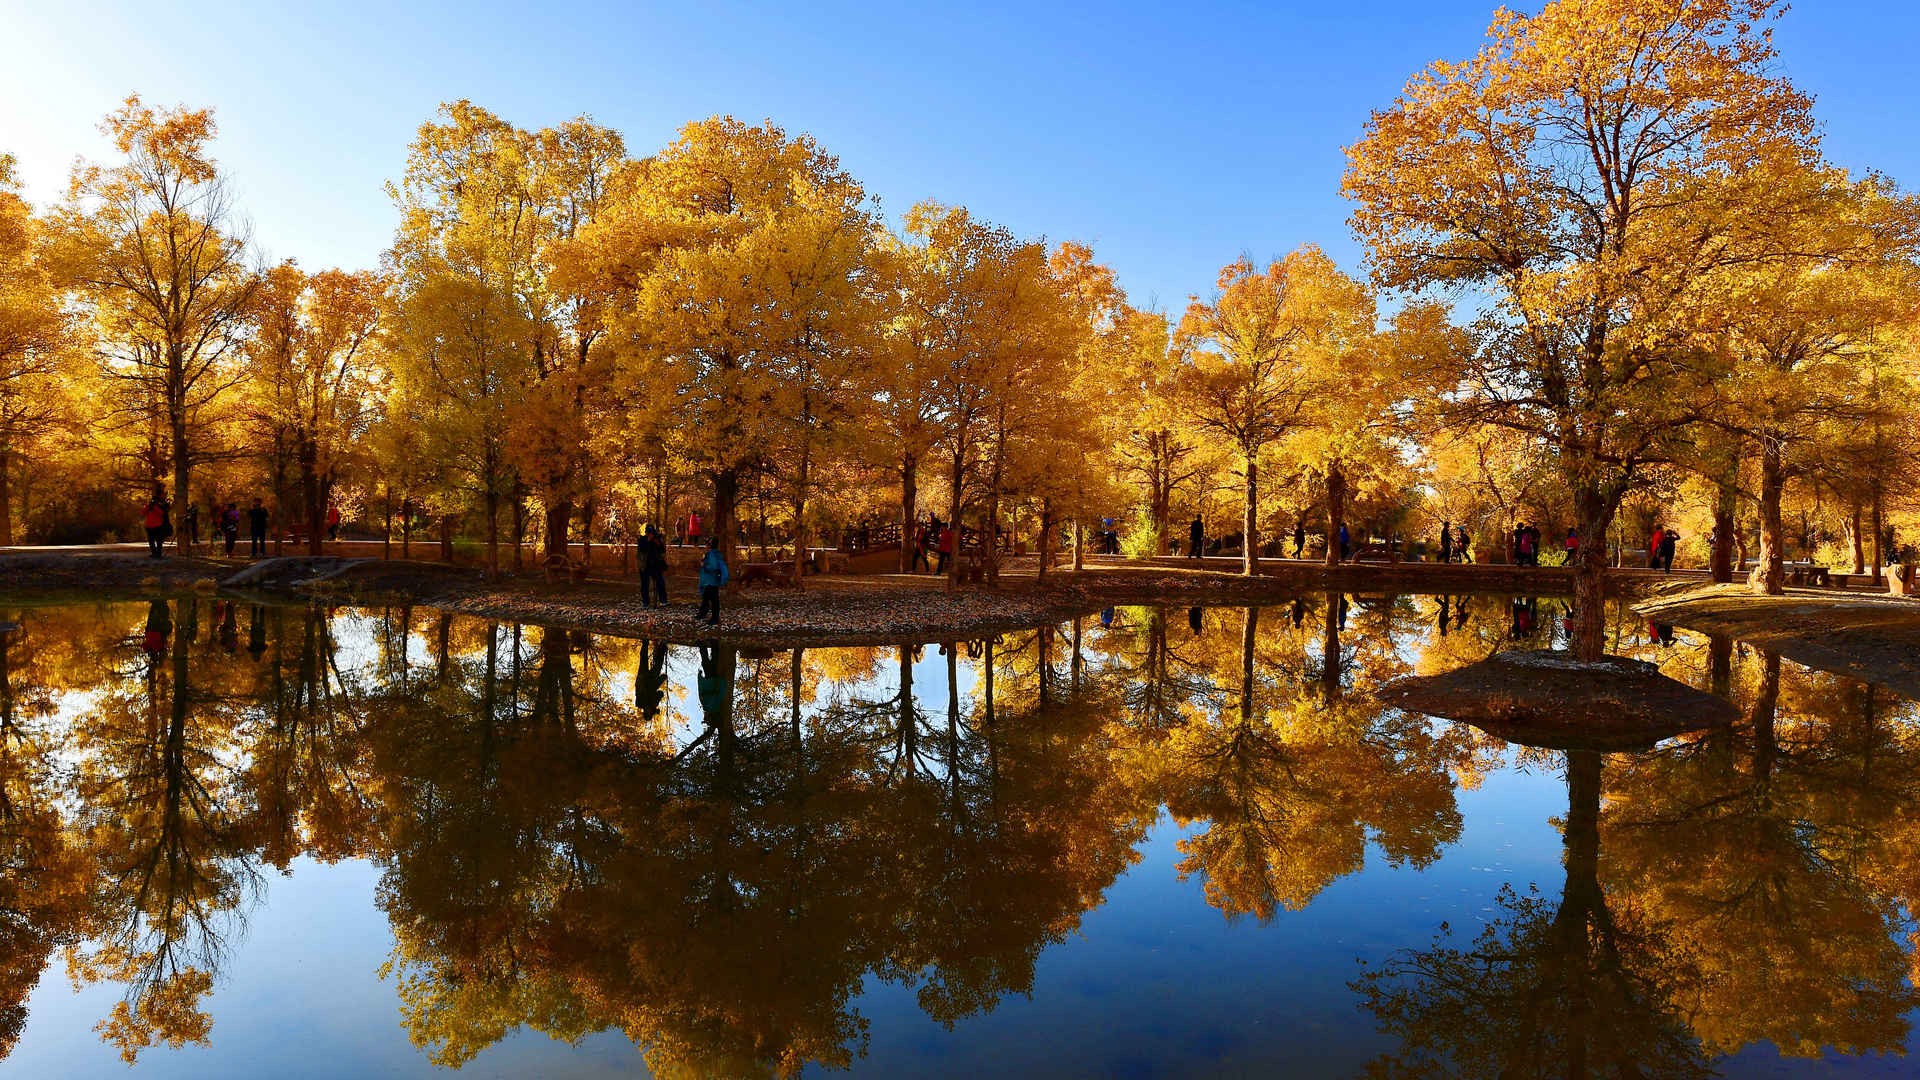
<point x="653" y="569"/>
<point x="1197" y="538"/>
<point x="257" y="530"/>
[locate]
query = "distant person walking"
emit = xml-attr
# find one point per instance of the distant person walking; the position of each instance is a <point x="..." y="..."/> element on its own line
<point x="917" y="555"/>
<point x="945" y="549"/>
<point x="653" y="569"/>
<point x="1299" y="539"/>
<point x="230" y="527"/>
<point x="1446" y="541"/>
<point x="1461" y="544"/>
<point x="155" y="519"/>
<point x="1573" y="545"/>
<point x="1653" y="547"/>
<point x="693" y="528"/>
<point x="256" y="530"/>
<point x="713" y="574"/>
<point x="333" y="523"/>
<point x="1196" y="538"/>
<point x="190" y="523"/>
<point x="1346" y="543"/>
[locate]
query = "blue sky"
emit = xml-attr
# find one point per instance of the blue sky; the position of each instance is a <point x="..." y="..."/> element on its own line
<point x="1170" y="137"/>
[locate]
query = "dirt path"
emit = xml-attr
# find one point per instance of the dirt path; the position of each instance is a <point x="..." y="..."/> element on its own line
<point x="1874" y="638"/>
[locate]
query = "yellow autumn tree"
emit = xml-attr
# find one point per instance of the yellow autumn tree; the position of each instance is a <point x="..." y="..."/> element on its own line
<point x="156" y="254"/>
<point x="1589" y="168"/>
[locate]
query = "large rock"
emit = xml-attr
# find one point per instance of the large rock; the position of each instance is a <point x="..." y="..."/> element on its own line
<point x="291" y="570"/>
<point x="1549" y="699"/>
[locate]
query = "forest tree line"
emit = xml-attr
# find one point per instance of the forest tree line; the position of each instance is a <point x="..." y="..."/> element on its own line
<point x="1611" y="280"/>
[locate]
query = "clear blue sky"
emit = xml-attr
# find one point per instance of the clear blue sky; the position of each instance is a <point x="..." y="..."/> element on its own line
<point x="1171" y="138"/>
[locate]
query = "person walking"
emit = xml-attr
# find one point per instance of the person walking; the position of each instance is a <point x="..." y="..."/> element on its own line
<point x="333" y="522"/>
<point x="1196" y="538"/>
<point x="1446" y="541"/>
<point x="256" y="530"/>
<point x="693" y="528"/>
<point x="945" y="550"/>
<point x="1573" y="545"/>
<point x="190" y="523"/>
<point x="1653" y="547"/>
<point x="154" y="518"/>
<point x="1461" y="545"/>
<point x="917" y="555"/>
<point x="230" y="527"/>
<point x="653" y="569"/>
<point x="713" y="574"/>
<point x="1346" y="545"/>
<point x="1299" y="539"/>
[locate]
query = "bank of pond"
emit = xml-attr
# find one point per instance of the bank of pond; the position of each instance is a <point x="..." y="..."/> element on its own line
<point x="303" y="839"/>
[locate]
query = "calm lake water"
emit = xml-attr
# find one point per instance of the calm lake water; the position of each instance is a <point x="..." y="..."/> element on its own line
<point x="309" y="841"/>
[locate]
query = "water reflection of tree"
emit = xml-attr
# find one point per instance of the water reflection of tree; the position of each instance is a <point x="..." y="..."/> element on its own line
<point x="1732" y="889"/>
<point x="1290" y="763"/>
<point x="721" y="901"/>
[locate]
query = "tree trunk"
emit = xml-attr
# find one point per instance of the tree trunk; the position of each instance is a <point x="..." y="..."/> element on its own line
<point x="726" y="506"/>
<point x="1724" y="508"/>
<point x="909" y="508"/>
<point x="6" y="497"/>
<point x="1879" y="533"/>
<point x="181" y="469"/>
<point x="1046" y="540"/>
<point x="310" y="498"/>
<point x="1770" y="577"/>
<point x="1336" y="510"/>
<point x="957" y="476"/>
<point x="493" y="530"/>
<point x="1595" y="513"/>
<point x="558" y="517"/>
<point x="386" y="534"/>
<point x="1079" y="544"/>
<point x="1853" y="535"/>
<point x="1249" y="533"/>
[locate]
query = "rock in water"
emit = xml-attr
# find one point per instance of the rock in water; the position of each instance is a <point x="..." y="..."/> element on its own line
<point x="1551" y="700"/>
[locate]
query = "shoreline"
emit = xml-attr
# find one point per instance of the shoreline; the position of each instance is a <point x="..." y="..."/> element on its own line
<point x="833" y="609"/>
<point x="1872" y="637"/>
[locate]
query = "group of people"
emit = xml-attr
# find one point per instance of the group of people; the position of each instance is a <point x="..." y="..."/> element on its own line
<point x="935" y="537"/>
<point x="1660" y="547"/>
<point x="714" y="571"/>
<point x="1197" y="539"/>
<point x="1454" y="542"/>
<point x="157" y="518"/>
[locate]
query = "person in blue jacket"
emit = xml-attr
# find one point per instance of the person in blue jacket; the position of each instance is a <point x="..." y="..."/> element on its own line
<point x="713" y="574"/>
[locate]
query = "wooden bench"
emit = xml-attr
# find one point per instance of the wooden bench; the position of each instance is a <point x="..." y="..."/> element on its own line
<point x="564" y="567"/>
<point x="1808" y="574"/>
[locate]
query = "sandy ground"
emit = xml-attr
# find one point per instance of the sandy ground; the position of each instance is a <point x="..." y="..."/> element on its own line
<point x="1871" y="637"/>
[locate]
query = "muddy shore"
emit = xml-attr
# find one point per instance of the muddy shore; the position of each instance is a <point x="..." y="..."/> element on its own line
<point x="1871" y="637"/>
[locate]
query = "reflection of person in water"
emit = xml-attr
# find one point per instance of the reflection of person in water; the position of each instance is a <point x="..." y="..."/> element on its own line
<point x="1194" y="619"/>
<point x="1343" y="611"/>
<point x="229" y="629"/>
<point x="1659" y="633"/>
<point x="257" y="632"/>
<point x="159" y="627"/>
<point x="1441" y="619"/>
<point x="1460" y="613"/>
<point x="650" y="680"/>
<point x="714" y="686"/>
<point x="1525" y="613"/>
<point x="1106" y="618"/>
<point x="1299" y="610"/>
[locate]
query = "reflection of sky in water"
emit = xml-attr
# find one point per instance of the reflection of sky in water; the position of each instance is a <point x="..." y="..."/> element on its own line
<point x="1153" y="980"/>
